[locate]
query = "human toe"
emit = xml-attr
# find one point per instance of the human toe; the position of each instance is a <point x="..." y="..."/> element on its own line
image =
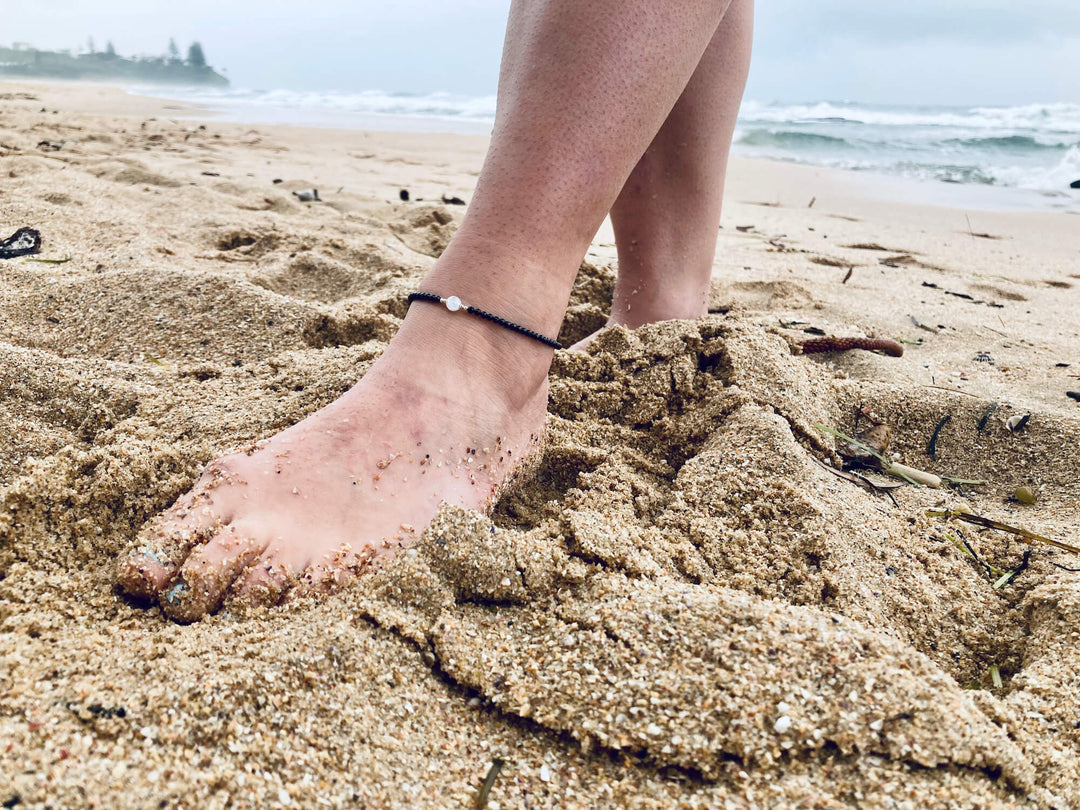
<point x="165" y="543"/>
<point x="206" y="575"/>
<point x="267" y="581"/>
<point x="143" y="574"/>
<point x="336" y="568"/>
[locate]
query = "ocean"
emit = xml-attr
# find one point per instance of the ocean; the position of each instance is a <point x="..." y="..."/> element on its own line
<point x="369" y="109"/>
<point x="1033" y="150"/>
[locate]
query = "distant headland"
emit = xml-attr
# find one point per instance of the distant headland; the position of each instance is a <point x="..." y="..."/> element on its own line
<point x="25" y="61"/>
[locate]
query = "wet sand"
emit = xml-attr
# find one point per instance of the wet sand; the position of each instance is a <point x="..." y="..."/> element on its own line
<point x="680" y="608"/>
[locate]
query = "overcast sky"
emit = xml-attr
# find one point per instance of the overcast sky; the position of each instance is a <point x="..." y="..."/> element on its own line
<point x="888" y="51"/>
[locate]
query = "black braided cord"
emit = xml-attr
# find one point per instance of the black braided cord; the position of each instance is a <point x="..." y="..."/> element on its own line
<point x="487" y="316"/>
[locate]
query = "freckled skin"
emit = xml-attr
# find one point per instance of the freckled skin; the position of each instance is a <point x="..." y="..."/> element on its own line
<point x="624" y="106"/>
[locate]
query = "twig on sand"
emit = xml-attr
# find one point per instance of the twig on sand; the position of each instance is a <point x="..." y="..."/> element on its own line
<point x="65" y="260"/>
<point x="1066" y="568"/>
<point x="489" y="782"/>
<point x="860" y="480"/>
<point x="951" y="390"/>
<point x="910" y="474"/>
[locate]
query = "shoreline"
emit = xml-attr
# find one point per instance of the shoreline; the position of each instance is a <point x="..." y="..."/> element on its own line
<point x="101" y="98"/>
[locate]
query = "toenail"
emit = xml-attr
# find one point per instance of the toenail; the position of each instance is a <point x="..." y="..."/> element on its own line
<point x="175" y="592"/>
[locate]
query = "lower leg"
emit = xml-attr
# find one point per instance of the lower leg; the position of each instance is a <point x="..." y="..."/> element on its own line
<point x="584" y="88"/>
<point x="667" y="215"/>
<point x="454" y="401"/>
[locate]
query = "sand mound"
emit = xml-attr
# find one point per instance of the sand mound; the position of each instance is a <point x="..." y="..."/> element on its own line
<point x="679" y="607"/>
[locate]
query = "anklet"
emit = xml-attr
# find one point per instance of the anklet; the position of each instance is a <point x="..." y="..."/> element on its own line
<point x="453" y="303"/>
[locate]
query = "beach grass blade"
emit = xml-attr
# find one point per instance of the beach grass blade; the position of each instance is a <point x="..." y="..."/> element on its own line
<point x="987" y="523"/>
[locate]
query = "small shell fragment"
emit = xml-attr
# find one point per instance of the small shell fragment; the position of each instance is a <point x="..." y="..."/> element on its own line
<point x="1017" y="422"/>
<point x="876" y="437"/>
<point x="1024" y="495"/>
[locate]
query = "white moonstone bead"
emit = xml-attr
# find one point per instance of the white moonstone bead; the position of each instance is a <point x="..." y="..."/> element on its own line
<point x="453" y="303"/>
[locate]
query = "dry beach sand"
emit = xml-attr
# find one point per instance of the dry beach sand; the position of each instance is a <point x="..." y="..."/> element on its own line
<point x="679" y="609"/>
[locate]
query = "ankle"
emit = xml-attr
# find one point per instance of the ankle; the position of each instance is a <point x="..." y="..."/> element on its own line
<point x="482" y="361"/>
<point x="639" y="300"/>
<point x="522" y="285"/>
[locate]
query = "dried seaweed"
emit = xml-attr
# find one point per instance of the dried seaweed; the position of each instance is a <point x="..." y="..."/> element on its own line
<point x="1001" y="576"/>
<point x="931" y="448"/>
<point x="1009" y="576"/>
<point x="993" y="406"/>
<point x="988" y="523"/>
<point x="885" y="464"/>
<point x="859" y="480"/>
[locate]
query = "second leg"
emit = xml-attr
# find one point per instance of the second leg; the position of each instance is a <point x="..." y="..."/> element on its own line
<point x="667" y="215"/>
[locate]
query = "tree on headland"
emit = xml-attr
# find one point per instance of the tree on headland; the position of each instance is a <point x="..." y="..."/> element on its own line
<point x="174" y="52"/>
<point x="26" y="61"/>
<point x="195" y="56"/>
<point x="90" y="44"/>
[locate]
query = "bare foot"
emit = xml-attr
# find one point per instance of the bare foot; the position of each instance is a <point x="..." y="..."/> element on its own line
<point x="436" y="419"/>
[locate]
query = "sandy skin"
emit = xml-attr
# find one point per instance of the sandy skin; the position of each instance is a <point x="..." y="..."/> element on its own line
<point x="348" y="486"/>
<point x="345" y="489"/>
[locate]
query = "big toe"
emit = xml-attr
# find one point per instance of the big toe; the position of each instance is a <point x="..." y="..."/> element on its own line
<point x="165" y="543"/>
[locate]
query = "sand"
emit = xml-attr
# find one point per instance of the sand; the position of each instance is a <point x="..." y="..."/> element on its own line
<point x="680" y="608"/>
